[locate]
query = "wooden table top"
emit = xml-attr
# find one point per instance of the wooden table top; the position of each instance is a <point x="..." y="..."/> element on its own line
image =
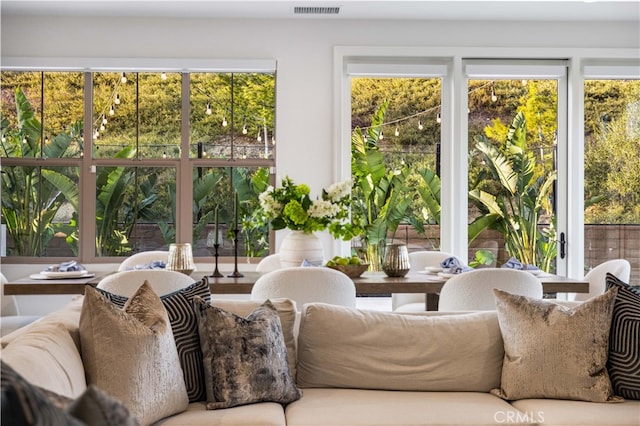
<point x="368" y="283"/>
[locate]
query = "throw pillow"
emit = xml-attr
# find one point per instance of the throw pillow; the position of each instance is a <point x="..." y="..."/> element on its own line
<point x="245" y="359"/>
<point x="184" y="325"/>
<point x="624" y="340"/>
<point x="130" y="353"/>
<point x="551" y="351"/>
<point x="96" y="407"/>
<point x="25" y="404"/>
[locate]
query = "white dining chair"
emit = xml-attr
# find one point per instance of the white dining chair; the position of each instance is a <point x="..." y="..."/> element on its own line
<point x="269" y="263"/>
<point x="473" y="290"/>
<point x="10" y="318"/>
<point x="143" y="258"/>
<point x="621" y="268"/>
<point x="418" y="261"/>
<point x="306" y="285"/>
<point x="163" y="281"/>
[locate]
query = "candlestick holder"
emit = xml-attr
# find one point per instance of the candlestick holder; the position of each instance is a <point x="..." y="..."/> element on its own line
<point x="235" y="272"/>
<point x="216" y="273"/>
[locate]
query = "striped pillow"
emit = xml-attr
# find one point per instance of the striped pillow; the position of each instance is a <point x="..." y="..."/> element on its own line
<point x="184" y="324"/>
<point x="624" y="341"/>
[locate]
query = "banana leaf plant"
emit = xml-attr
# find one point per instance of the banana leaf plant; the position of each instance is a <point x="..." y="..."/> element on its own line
<point x="515" y="197"/>
<point x="381" y="197"/>
<point x="32" y="195"/>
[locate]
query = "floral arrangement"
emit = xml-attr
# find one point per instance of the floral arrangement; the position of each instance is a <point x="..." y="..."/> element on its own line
<point x="291" y="207"/>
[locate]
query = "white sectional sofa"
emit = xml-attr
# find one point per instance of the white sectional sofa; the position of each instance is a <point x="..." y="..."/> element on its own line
<point x="354" y="367"/>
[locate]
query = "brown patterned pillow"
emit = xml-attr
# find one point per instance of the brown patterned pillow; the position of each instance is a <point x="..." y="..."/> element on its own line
<point x="245" y="359"/>
<point x="552" y="351"/>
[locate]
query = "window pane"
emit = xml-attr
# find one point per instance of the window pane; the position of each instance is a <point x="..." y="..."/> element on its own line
<point x="139" y="110"/>
<point x="232" y="115"/>
<point x="51" y="109"/>
<point x="408" y="138"/>
<point x="215" y="218"/>
<point x="135" y="209"/>
<point x="512" y="132"/>
<point x="612" y="161"/>
<point x="39" y="210"/>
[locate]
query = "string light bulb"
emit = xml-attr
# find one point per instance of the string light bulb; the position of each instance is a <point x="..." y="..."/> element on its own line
<point x="102" y="128"/>
<point x="104" y="119"/>
<point x="46" y="140"/>
<point x="96" y="134"/>
<point x="112" y="110"/>
<point x="117" y="100"/>
<point x="244" y="129"/>
<point x="24" y="140"/>
<point x="208" y="110"/>
<point x="420" y="126"/>
<point x="438" y="118"/>
<point x="163" y="76"/>
<point x="224" y="122"/>
<point x="381" y="136"/>
<point x="259" y="138"/>
<point x="397" y="132"/>
<point x="493" y="95"/>
<point x="4" y="139"/>
<point x="164" y="154"/>
<point x="123" y="78"/>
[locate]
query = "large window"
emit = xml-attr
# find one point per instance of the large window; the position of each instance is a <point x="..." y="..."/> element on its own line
<point x="611" y="164"/>
<point x="163" y="155"/>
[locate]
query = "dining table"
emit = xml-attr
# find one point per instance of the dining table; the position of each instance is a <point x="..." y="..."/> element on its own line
<point x="368" y="284"/>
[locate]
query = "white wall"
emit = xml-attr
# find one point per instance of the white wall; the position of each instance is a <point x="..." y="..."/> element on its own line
<point x="304" y="53"/>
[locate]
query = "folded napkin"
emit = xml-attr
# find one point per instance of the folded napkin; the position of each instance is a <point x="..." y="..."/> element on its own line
<point x="514" y="263"/>
<point x="156" y="264"/>
<point x="69" y="266"/>
<point x="452" y="265"/>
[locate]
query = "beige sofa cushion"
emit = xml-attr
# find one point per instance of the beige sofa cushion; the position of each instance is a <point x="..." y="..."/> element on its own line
<point x="47" y="357"/>
<point x="339" y="407"/>
<point x="260" y="414"/>
<point x="286" y="311"/>
<point x="131" y="354"/>
<point x="349" y="348"/>
<point x="580" y="413"/>
<point x="555" y="352"/>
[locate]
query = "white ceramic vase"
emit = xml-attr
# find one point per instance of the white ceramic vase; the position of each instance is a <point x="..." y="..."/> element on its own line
<point x="298" y="246"/>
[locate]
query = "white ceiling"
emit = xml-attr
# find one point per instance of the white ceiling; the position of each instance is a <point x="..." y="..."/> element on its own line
<point x="518" y="10"/>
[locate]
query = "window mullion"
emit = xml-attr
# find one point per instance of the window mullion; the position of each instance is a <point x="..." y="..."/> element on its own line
<point x="184" y="179"/>
<point x="87" y="181"/>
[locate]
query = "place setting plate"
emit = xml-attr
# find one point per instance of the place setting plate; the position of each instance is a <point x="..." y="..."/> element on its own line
<point x="56" y="275"/>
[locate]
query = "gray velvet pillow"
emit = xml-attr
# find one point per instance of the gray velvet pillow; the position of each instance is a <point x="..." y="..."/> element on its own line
<point x="245" y="359"/>
<point x="551" y="351"/>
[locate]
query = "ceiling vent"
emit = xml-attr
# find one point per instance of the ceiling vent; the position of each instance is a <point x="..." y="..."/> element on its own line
<point x="315" y="10"/>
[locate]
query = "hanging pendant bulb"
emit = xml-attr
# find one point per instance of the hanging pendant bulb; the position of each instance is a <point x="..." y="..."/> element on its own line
<point x="163" y="76"/>
<point x="112" y="110"/>
<point x="381" y="135"/>
<point x="102" y="128"/>
<point x="420" y="126"/>
<point x="259" y="138"/>
<point x="123" y="78"/>
<point x="208" y="110"/>
<point x="224" y="122"/>
<point x="164" y="154"/>
<point x="46" y="140"/>
<point x="493" y="95"/>
<point x="397" y="132"/>
<point x="104" y="119"/>
<point x="438" y="118"/>
<point x="244" y="129"/>
<point x="117" y="101"/>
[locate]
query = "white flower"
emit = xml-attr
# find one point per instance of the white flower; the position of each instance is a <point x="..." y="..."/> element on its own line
<point x="268" y="204"/>
<point x="339" y="190"/>
<point x="323" y="208"/>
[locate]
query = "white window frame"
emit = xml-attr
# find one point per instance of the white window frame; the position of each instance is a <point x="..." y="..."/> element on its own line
<point x="454" y="128"/>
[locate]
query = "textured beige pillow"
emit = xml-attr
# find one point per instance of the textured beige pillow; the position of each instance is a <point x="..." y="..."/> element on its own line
<point x="552" y="351"/>
<point x="349" y="348"/>
<point x="48" y="357"/>
<point x="286" y="311"/>
<point x="131" y="354"/>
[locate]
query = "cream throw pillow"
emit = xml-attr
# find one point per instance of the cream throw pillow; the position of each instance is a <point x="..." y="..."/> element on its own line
<point x="131" y="354"/>
<point x="350" y="348"/>
<point x="552" y="351"/>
